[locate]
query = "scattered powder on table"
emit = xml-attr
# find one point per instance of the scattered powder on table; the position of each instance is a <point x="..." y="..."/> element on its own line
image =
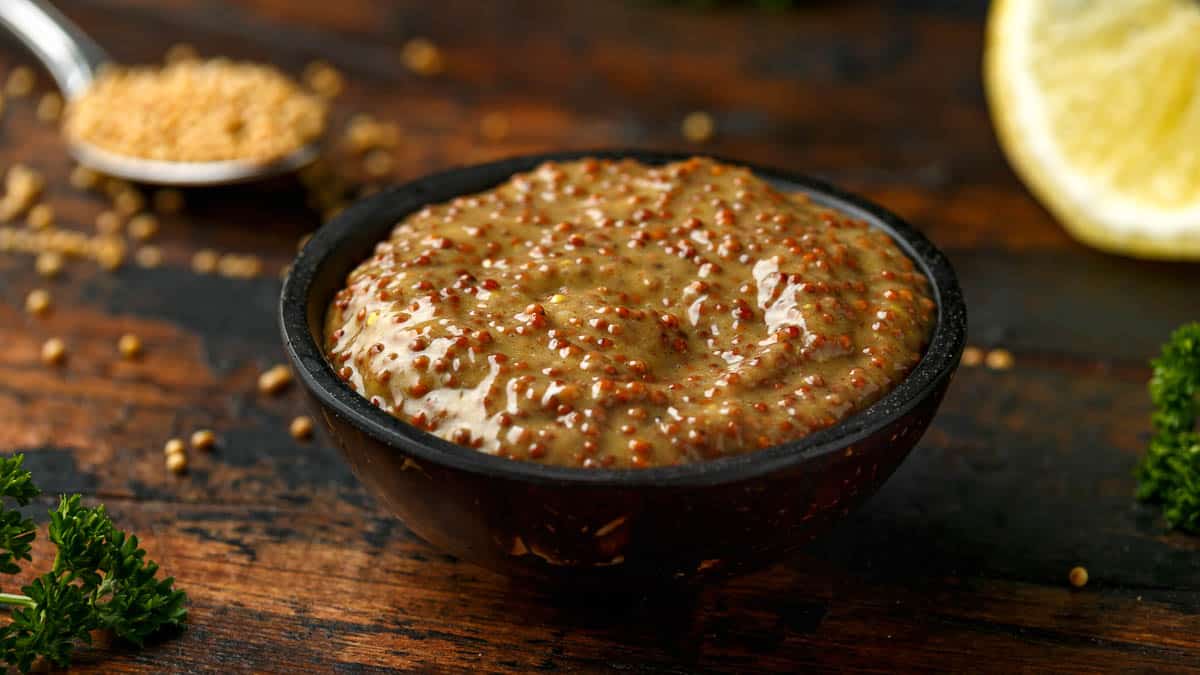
<point x="196" y="111"/>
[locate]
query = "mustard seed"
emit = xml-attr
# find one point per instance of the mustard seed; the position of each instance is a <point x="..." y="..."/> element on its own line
<point x="168" y="201"/>
<point x="494" y="126"/>
<point x="114" y="186"/>
<point x="54" y="352"/>
<point x="301" y="428"/>
<point x="84" y="178"/>
<point x="20" y="82"/>
<point x="128" y="202"/>
<point x="205" y="261"/>
<point x="143" y="226"/>
<point x="130" y="346"/>
<point x="109" y="252"/>
<point x="23" y="186"/>
<point x="38" y="301"/>
<point x="239" y="266"/>
<point x="1078" y="576"/>
<point x="999" y="359"/>
<point x="422" y="57"/>
<point x="50" y="107"/>
<point x="378" y="163"/>
<point x="204" y="439"/>
<point x="49" y="264"/>
<point x="41" y="216"/>
<point x="108" y="222"/>
<point x="698" y="127"/>
<point x="274" y="380"/>
<point x="174" y="446"/>
<point x="323" y="79"/>
<point x="972" y="356"/>
<point x="365" y="133"/>
<point x="148" y="256"/>
<point x="177" y="462"/>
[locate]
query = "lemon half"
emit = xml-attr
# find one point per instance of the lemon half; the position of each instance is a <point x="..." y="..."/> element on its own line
<point x="1097" y="106"/>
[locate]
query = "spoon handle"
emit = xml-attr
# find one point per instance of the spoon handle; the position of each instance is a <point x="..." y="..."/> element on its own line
<point x="67" y="52"/>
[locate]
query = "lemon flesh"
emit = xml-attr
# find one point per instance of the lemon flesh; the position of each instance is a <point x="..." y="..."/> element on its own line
<point x="1097" y="105"/>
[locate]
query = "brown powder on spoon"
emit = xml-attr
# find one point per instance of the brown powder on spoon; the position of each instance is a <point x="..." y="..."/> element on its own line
<point x="196" y="111"/>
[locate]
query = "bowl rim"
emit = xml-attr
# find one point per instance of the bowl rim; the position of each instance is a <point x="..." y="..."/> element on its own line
<point x="939" y="361"/>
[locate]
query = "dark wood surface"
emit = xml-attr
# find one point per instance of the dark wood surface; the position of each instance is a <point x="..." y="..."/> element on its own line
<point x="959" y="564"/>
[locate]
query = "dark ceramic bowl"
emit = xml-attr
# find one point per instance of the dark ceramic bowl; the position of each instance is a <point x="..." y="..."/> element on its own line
<point x="610" y="528"/>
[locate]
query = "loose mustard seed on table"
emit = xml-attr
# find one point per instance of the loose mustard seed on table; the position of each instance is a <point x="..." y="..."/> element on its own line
<point x="109" y="252"/>
<point x="422" y="57"/>
<point x="108" y="222"/>
<point x="113" y="186"/>
<point x="38" y="301"/>
<point x="143" y="226"/>
<point x="378" y="163"/>
<point x="40" y="217"/>
<point x="274" y="380"/>
<point x="148" y="256"/>
<point x="128" y="202"/>
<point x="1078" y="577"/>
<point x="494" y="126"/>
<point x="698" y="127"/>
<point x="20" y="82"/>
<point x="174" y="446"/>
<point x="49" y="264"/>
<point x="54" y="352"/>
<point x="177" y="462"/>
<point x="203" y="439"/>
<point x="323" y="79"/>
<point x="999" y="359"/>
<point x="22" y="187"/>
<point x="301" y="428"/>
<point x="205" y="260"/>
<point x="129" y="346"/>
<point x="610" y="314"/>
<point x="972" y="356"/>
<point x="49" y="107"/>
<point x="196" y="111"/>
<point x="83" y="178"/>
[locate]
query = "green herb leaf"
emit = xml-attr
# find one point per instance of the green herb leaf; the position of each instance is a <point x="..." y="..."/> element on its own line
<point x="16" y="533"/>
<point x="100" y="579"/>
<point x="1170" y="472"/>
<point x="59" y="617"/>
<point x="131" y="602"/>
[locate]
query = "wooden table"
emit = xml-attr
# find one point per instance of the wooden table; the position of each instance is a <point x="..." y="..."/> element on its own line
<point x="960" y="563"/>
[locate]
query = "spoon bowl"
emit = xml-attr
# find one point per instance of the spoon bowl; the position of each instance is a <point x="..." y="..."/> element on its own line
<point x="74" y="60"/>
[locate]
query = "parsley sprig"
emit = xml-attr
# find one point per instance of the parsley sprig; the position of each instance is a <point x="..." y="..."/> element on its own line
<point x="100" y="579"/>
<point x="1170" y="472"/>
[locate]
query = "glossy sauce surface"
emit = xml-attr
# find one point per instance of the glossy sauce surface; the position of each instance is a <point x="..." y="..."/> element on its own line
<point x="610" y="314"/>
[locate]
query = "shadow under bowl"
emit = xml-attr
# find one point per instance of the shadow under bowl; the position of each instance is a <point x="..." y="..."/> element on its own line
<point x="610" y="528"/>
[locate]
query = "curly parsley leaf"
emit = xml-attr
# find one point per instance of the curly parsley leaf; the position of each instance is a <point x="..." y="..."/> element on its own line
<point x="131" y="601"/>
<point x="100" y="579"/>
<point x="1170" y="472"/>
<point x="59" y="618"/>
<point x="16" y="533"/>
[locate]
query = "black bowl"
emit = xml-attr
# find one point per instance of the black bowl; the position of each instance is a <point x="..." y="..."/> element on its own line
<point x="610" y="528"/>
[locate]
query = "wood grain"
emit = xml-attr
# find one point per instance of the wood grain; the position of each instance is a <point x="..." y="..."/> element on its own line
<point x="959" y="564"/>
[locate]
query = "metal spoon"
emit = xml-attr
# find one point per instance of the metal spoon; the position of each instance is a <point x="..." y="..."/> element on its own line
<point x="73" y="59"/>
